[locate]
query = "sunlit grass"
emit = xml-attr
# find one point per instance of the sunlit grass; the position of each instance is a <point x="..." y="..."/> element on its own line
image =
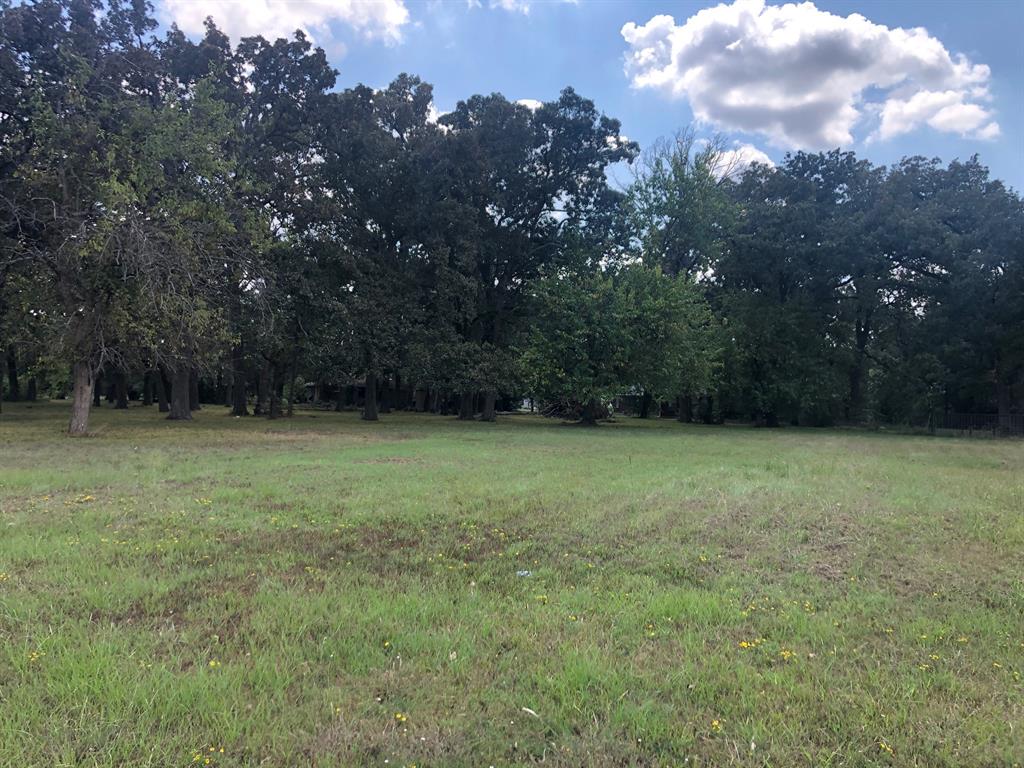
<point x="323" y="591"/>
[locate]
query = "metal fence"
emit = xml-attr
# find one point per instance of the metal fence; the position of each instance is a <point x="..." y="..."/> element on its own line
<point x="983" y="423"/>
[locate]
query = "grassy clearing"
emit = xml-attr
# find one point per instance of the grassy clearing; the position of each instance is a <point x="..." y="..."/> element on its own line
<point x="321" y="591"/>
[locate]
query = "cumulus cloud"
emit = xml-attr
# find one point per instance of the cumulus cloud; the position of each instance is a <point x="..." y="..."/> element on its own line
<point x="806" y="78"/>
<point x="942" y="110"/>
<point x="735" y="160"/>
<point x="380" y="19"/>
<point x="531" y="104"/>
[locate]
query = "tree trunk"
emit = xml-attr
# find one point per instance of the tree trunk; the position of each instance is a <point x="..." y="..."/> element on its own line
<point x="30" y="395"/>
<point x="858" y="369"/>
<point x="645" y="405"/>
<point x="193" y="390"/>
<point x="1003" y="400"/>
<point x="291" y="387"/>
<point x="399" y="402"/>
<point x="226" y="388"/>
<point x="489" y="412"/>
<point x="147" y="388"/>
<point x="386" y="394"/>
<point x="420" y="400"/>
<point x="466" y="409"/>
<point x="261" y="389"/>
<point x="162" y="385"/>
<point x="14" y="390"/>
<point x="370" y="411"/>
<point x="708" y="405"/>
<point x="239" y="398"/>
<point x="96" y="387"/>
<point x="684" y="409"/>
<point x="81" y="399"/>
<point x="274" y="380"/>
<point x="181" y="394"/>
<point x="589" y="416"/>
<point x="121" y="390"/>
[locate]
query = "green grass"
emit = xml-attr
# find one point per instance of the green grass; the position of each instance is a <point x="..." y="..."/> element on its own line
<point x="282" y="589"/>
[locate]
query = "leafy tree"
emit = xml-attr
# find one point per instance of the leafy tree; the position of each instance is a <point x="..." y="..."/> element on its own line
<point x="773" y="285"/>
<point x="532" y="175"/>
<point x="601" y="332"/>
<point x="77" y="91"/>
<point x="577" y="348"/>
<point x="679" y="199"/>
<point x="673" y="345"/>
<point x="977" y="310"/>
<point x="370" y="166"/>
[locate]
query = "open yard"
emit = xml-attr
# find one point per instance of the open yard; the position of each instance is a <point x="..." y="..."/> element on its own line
<point x="422" y="591"/>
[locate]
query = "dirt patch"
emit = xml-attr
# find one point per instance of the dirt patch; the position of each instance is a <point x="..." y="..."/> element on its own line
<point x="176" y="608"/>
<point x="170" y="607"/>
<point x="431" y="744"/>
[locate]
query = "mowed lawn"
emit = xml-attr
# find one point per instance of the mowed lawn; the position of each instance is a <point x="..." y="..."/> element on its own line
<point x="421" y="591"/>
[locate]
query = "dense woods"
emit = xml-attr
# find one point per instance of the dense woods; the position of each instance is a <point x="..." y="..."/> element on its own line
<point x="186" y="222"/>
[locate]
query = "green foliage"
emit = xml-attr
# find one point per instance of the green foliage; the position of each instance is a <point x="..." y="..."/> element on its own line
<point x="579" y="343"/>
<point x="604" y="333"/>
<point x="673" y="337"/>
<point x="679" y="203"/>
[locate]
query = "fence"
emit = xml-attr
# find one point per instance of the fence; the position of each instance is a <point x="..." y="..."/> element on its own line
<point x="990" y="423"/>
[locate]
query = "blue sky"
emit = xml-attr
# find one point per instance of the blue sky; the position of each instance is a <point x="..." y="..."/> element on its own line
<point x="769" y="77"/>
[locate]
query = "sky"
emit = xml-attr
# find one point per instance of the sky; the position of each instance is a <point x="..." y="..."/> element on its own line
<point x="884" y="78"/>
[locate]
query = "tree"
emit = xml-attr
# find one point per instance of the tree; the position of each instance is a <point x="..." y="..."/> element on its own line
<point x="577" y="348"/>
<point x="532" y="175"/>
<point x="773" y="286"/>
<point x="370" y="169"/>
<point x="599" y="332"/>
<point x="977" y="314"/>
<point x="673" y="346"/>
<point x="681" y="217"/>
<point x="78" y="85"/>
<point x="680" y="205"/>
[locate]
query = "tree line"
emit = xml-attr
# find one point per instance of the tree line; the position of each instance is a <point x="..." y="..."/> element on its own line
<point x="205" y="221"/>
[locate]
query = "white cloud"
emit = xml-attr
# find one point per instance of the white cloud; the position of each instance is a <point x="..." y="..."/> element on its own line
<point x="516" y="6"/>
<point x="513" y="6"/>
<point x="733" y="162"/>
<point x="806" y="78"/>
<point x="989" y="132"/>
<point x="434" y="114"/>
<point x="380" y="19"/>
<point x="942" y="110"/>
<point x="531" y="104"/>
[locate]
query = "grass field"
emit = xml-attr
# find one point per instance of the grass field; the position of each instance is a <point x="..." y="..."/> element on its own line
<point x="322" y="591"/>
